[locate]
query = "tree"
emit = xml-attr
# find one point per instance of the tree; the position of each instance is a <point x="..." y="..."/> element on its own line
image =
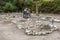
<point x="38" y="3"/>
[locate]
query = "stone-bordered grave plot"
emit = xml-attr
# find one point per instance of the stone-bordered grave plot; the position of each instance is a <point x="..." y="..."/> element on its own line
<point x="32" y="26"/>
<point x="40" y="26"/>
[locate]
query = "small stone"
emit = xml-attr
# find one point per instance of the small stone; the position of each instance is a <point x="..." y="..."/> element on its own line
<point x="28" y="31"/>
<point x="56" y="20"/>
<point x="49" y="32"/>
<point x="39" y="33"/>
<point x="55" y="27"/>
<point x="19" y="26"/>
<point x="14" y="21"/>
<point x="36" y="33"/>
<point x="43" y="33"/>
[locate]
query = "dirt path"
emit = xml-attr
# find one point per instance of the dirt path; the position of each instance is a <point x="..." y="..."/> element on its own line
<point x="9" y="31"/>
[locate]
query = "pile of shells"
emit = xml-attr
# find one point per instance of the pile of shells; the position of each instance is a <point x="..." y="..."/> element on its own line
<point x="39" y="26"/>
<point x="41" y="30"/>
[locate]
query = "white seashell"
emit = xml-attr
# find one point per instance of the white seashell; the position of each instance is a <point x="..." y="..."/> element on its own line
<point x="27" y="31"/>
<point x="56" y="20"/>
<point x="36" y="33"/>
<point x="51" y="25"/>
<point x="19" y="26"/>
<point x="50" y="31"/>
<point x="43" y="18"/>
<point x="43" y="32"/>
<point x="39" y="33"/>
<point x="14" y="21"/>
<point x="55" y="27"/>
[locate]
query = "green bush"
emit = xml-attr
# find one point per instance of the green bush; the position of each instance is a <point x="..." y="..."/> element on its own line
<point x="19" y="5"/>
<point x="9" y="7"/>
<point x="1" y="9"/>
<point x="57" y="3"/>
<point x="48" y="7"/>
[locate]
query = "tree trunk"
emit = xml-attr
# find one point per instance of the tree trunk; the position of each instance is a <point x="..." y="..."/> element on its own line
<point x="36" y="8"/>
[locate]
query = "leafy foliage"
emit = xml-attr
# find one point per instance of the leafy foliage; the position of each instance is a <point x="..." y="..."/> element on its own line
<point x="48" y="7"/>
<point x="19" y="5"/>
<point x="9" y="7"/>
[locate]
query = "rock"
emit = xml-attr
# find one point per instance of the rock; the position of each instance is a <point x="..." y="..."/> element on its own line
<point x="48" y="32"/>
<point x="19" y="26"/>
<point x="14" y="21"/>
<point x="39" y="33"/>
<point x="46" y="18"/>
<point x="56" y="20"/>
<point x="28" y="31"/>
<point x="43" y="33"/>
<point x="55" y="27"/>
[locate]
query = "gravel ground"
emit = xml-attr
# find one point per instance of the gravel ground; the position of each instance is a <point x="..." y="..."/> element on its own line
<point x="9" y="30"/>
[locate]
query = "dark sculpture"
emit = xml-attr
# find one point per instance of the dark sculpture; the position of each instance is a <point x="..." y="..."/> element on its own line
<point x="26" y="13"/>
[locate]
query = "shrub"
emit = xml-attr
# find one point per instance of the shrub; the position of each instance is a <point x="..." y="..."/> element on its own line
<point x="9" y="7"/>
<point x="1" y="9"/>
<point x="48" y="7"/>
<point x="57" y="3"/>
